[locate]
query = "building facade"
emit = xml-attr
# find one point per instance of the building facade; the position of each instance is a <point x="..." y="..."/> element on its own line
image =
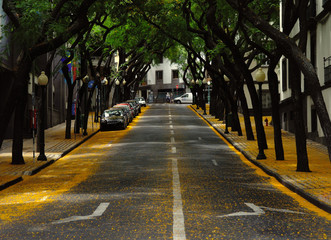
<point x="56" y="89"/>
<point x="164" y="78"/>
<point x="319" y="53"/>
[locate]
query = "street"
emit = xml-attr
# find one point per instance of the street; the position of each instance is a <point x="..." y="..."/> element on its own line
<point x="167" y="176"/>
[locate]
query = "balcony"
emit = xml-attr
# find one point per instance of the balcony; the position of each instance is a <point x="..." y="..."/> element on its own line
<point x="327" y="70"/>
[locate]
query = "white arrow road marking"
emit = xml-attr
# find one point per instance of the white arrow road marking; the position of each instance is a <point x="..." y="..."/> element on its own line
<point x="214" y="162"/>
<point x="178" y="215"/>
<point x="281" y="210"/>
<point x="97" y="213"/>
<point x="257" y="211"/>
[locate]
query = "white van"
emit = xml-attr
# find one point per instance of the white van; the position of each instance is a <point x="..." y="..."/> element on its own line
<point x="185" y="98"/>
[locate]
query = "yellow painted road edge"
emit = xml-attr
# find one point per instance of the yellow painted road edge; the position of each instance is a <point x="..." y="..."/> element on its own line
<point x="302" y="201"/>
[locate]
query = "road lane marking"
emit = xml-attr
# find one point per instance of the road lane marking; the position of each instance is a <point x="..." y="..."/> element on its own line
<point x="97" y="213"/>
<point x="199" y="138"/>
<point x="214" y="162"/>
<point x="178" y="215"/>
<point x="171" y="126"/>
<point x="174" y="150"/>
<point x="258" y="210"/>
<point x="172" y="140"/>
<point x="172" y="132"/>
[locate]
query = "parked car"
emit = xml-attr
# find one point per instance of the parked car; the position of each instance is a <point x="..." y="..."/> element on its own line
<point x="136" y="105"/>
<point x="141" y="101"/>
<point x="133" y="112"/>
<point x="127" y="110"/>
<point x="113" y="118"/>
<point x="185" y="98"/>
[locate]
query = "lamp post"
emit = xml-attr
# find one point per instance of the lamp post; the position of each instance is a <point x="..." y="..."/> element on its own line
<point x="117" y="82"/>
<point x="85" y="118"/>
<point x="260" y="77"/>
<point x="227" y="81"/>
<point x="104" y="83"/>
<point x="42" y="81"/>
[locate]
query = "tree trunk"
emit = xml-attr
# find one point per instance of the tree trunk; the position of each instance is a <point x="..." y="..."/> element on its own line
<point x="68" y="117"/>
<point x="292" y="51"/>
<point x="247" y="119"/>
<point x="19" y="98"/>
<point x="273" y="88"/>
<point x="300" y="130"/>
<point x="17" y="147"/>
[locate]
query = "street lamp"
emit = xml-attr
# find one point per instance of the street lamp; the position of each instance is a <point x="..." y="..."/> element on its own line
<point x="104" y="84"/>
<point x="209" y="83"/>
<point x="227" y="81"/>
<point x="260" y="77"/>
<point x="117" y="82"/>
<point x="42" y="81"/>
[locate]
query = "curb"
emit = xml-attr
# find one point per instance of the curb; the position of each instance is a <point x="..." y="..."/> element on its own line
<point x="280" y="178"/>
<point x="10" y="183"/>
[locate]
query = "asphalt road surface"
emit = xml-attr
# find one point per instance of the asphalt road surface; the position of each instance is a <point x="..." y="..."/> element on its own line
<point x="168" y="176"/>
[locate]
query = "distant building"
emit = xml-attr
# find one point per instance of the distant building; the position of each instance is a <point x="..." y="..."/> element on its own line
<point x="163" y="77"/>
<point x="319" y="53"/>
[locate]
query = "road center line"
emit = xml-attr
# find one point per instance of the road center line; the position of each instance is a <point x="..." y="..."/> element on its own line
<point x="172" y="139"/>
<point x="174" y="150"/>
<point x="178" y="215"/>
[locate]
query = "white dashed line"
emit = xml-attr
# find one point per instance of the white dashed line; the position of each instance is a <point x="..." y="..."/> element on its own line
<point x="178" y="215"/>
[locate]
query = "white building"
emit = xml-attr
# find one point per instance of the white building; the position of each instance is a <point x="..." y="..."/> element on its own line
<point x="319" y="53"/>
<point x="164" y="77"/>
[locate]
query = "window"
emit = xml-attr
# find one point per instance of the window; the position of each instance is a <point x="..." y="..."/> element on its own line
<point x="159" y="59"/>
<point x="266" y="99"/>
<point x="159" y="76"/>
<point x="327" y="70"/>
<point x="326" y="3"/>
<point x="263" y="59"/>
<point x="284" y="75"/>
<point x="175" y="75"/>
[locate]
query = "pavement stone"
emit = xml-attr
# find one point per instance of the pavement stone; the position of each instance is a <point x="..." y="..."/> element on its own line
<point x="56" y="146"/>
<point x="314" y="186"/>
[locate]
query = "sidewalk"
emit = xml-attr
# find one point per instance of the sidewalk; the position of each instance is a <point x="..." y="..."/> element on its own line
<point x="314" y="186"/>
<point x="56" y="146"/>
